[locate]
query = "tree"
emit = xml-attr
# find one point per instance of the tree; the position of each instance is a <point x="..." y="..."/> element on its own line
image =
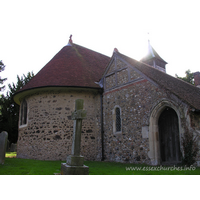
<point x="2" y="67"/>
<point x="190" y="148"/>
<point x="189" y="77"/>
<point x="10" y="110"/>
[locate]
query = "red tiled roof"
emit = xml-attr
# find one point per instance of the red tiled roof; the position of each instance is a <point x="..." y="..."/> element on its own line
<point x="74" y="66"/>
<point x="185" y="91"/>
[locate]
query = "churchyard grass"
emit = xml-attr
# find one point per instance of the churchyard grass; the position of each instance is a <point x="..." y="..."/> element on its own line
<point x="112" y="168"/>
<point x="17" y="166"/>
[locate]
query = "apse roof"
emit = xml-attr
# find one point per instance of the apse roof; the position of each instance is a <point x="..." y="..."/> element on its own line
<point x="74" y="66"/>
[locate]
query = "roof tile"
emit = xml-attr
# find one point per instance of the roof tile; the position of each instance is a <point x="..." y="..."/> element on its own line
<point x="72" y="66"/>
<point x="185" y="91"/>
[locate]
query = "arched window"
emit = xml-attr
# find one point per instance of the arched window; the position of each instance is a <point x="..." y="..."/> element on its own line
<point x="117" y="121"/>
<point x="23" y="113"/>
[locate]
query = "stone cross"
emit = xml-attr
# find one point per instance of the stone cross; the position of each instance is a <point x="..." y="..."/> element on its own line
<point x="74" y="164"/>
<point x="78" y="115"/>
<point x="3" y="145"/>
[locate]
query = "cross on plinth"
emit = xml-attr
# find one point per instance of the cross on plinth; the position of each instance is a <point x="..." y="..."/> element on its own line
<point x="74" y="164"/>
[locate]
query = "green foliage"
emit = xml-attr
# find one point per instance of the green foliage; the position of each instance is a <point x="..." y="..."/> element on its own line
<point x="2" y="67"/>
<point x="10" y="110"/>
<point x="190" y="148"/>
<point x="189" y="77"/>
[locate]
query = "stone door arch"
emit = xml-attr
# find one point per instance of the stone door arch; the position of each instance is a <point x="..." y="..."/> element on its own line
<point x="154" y="140"/>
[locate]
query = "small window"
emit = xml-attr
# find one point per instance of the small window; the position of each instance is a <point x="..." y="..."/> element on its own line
<point x="117" y="121"/>
<point x="23" y="113"/>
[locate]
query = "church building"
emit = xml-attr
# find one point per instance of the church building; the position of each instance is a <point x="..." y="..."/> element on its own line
<point x="136" y="112"/>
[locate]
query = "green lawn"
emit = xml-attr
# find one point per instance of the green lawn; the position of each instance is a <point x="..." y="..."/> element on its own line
<point x="17" y="166"/>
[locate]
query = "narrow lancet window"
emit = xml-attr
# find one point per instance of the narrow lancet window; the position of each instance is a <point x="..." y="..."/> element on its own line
<point x="23" y="112"/>
<point x="118" y="120"/>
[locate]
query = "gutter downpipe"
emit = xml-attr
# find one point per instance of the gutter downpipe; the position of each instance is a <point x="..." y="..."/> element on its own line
<point x="102" y="131"/>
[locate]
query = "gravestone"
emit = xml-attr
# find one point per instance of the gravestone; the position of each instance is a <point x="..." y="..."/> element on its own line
<point x="74" y="164"/>
<point x="3" y="145"/>
<point x="8" y="146"/>
<point x="13" y="147"/>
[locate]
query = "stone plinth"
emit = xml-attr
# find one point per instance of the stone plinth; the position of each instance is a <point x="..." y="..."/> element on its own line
<point x="75" y="160"/>
<point x="74" y="170"/>
<point x="74" y="166"/>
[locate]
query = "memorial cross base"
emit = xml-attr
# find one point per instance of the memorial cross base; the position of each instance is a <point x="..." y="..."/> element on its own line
<point x="74" y="164"/>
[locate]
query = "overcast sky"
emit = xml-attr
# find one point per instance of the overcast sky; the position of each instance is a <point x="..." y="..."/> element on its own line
<point x="32" y="32"/>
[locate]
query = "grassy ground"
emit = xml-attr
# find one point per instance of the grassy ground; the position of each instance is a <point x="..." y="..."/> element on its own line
<point x="112" y="168"/>
<point x="17" y="166"/>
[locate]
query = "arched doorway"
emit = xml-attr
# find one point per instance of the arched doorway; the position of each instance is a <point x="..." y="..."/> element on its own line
<point x="168" y="127"/>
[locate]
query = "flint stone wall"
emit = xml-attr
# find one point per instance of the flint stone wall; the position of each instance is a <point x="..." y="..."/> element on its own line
<point x="49" y="130"/>
<point x="136" y="97"/>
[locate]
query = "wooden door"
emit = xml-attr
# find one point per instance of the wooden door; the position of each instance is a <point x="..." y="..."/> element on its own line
<point x="169" y="137"/>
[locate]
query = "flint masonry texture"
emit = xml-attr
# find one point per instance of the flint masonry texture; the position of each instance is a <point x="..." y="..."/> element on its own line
<point x="136" y="101"/>
<point x="3" y="145"/>
<point x="48" y="134"/>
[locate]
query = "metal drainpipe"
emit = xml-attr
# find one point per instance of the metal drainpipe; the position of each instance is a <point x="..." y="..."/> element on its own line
<point x="102" y="131"/>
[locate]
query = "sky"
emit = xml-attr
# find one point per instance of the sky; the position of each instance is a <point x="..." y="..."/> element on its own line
<point x="32" y="32"/>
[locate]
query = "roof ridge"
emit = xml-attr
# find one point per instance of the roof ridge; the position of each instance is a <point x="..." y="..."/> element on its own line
<point x="89" y="49"/>
<point x="178" y="87"/>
